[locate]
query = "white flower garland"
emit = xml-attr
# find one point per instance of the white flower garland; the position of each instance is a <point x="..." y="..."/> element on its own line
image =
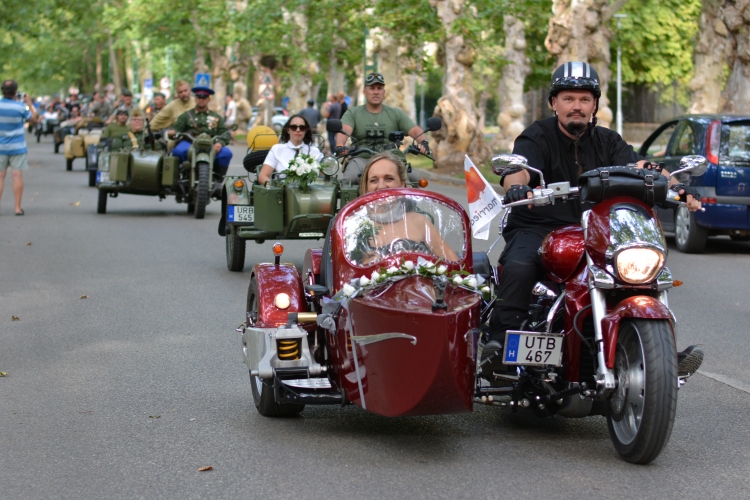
<point x="407" y="268"/>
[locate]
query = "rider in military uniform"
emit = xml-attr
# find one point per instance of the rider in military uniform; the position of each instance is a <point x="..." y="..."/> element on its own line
<point x="202" y="120"/>
<point x="118" y="128"/>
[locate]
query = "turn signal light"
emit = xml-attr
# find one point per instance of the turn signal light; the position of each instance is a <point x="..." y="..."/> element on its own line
<point x="238" y="185"/>
<point x="278" y="249"/>
<point x="677" y="283"/>
<point x="423" y="183"/>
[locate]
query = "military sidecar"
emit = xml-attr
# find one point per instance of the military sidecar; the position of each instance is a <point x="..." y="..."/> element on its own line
<point x="279" y="209"/>
<point x="151" y="171"/>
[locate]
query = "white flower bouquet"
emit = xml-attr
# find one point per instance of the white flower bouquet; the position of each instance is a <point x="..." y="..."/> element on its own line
<point x="302" y="170"/>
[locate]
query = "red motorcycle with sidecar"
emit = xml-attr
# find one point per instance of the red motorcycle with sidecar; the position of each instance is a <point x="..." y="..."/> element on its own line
<point x="388" y="315"/>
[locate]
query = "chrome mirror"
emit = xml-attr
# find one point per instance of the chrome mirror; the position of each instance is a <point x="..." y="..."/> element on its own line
<point x="508" y="164"/>
<point x="695" y="164"/>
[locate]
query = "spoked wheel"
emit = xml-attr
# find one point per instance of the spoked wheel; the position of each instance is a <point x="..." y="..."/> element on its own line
<point x="235" y="250"/>
<point x="689" y="236"/>
<point x="641" y="411"/>
<point x="201" y="192"/>
<point x="263" y="396"/>
<point x="101" y="207"/>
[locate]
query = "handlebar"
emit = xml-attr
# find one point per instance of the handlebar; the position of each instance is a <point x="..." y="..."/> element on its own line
<point x="563" y="190"/>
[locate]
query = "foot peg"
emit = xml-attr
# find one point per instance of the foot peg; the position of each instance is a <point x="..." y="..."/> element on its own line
<point x="689" y="361"/>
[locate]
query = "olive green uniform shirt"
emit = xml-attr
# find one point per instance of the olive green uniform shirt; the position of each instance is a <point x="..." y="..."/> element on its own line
<point x="115" y="130"/>
<point x="169" y="113"/>
<point x="206" y="122"/>
<point x="101" y="110"/>
<point x="372" y="129"/>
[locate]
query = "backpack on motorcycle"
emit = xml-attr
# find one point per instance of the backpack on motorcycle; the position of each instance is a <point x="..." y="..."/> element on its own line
<point x="604" y="183"/>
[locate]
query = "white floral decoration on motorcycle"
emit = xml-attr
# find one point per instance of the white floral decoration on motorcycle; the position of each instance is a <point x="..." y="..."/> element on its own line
<point x="303" y="170"/>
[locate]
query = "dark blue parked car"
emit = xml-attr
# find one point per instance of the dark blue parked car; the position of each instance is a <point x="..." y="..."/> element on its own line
<point x="725" y="188"/>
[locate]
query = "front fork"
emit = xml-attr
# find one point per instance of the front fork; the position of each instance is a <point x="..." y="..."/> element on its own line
<point x="606" y="381"/>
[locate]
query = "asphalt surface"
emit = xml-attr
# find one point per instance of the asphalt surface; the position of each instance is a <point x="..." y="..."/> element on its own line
<point x="128" y="392"/>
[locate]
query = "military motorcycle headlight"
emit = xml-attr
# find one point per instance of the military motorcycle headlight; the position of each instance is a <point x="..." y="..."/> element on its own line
<point x="639" y="265"/>
<point x="329" y="166"/>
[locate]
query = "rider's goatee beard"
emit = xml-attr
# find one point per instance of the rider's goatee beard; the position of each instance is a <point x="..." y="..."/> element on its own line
<point x="575" y="127"/>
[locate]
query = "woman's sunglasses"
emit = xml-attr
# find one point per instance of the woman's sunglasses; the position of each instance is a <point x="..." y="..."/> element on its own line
<point x="301" y="128"/>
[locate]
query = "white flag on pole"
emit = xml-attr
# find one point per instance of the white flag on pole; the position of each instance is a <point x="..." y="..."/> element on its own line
<point x="484" y="203"/>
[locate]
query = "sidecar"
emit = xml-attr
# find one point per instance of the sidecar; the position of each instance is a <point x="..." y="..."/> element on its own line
<point x="392" y="329"/>
<point x="278" y="210"/>
<point x="76" y="145"/>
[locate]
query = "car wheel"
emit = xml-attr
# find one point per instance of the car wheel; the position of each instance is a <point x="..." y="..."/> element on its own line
<point x="689" y="236"/>
<point x="641" y="411"/>
<point x="263" y="394"/>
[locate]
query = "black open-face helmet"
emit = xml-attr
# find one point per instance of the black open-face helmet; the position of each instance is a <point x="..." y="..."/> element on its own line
<point x="575" y="76"/>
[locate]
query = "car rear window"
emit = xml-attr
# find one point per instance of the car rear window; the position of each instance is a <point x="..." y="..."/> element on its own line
<point x="736" y="150"/>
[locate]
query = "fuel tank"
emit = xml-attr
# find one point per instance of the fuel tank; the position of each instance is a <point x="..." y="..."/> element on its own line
<point x="562" y="251"/>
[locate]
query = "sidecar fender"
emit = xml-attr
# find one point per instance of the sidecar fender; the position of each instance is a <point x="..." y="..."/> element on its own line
<point x="640" y="306"/>
<point x="273" y="280"/>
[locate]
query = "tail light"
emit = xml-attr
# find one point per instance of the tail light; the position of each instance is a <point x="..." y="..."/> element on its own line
<point x="708" y="201"/>
<point x="713" y="140"/>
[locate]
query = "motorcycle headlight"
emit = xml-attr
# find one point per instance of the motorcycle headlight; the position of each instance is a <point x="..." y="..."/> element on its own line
<point x="639" y="265"/>
<point x="329" y="166"/>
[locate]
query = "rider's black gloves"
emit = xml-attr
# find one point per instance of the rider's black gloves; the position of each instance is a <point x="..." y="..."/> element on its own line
<point x="517" y="192"/>
<point x="426" y="145"/>
<point x="341" y="150"/>
<point x="653" y="166"/>
<point x="687" y="191"/>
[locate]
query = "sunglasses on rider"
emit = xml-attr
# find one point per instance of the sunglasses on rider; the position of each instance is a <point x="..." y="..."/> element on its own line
<point x="301" y="128"/>
<point x="374" y="78"/>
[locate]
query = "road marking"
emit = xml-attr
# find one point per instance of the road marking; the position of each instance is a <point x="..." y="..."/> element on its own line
<point x="726" y="380"/>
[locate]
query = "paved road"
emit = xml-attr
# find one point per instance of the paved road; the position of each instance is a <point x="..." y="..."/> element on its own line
<point x="126" y="393"/>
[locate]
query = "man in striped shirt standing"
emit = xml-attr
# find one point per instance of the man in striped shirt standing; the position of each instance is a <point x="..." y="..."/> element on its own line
<point x="13" y="150"/>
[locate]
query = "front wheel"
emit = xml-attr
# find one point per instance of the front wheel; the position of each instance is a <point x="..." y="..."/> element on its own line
<point x="101" y="207"/>
<point x="92" y="178"/>
<point x="201" y="192"/>
<point x="641" y="411"/>
<point x="689" y="236"/>
<point x="263" y="396"/>
<point x="235" y="250"/>
<point x="69" y="164"/>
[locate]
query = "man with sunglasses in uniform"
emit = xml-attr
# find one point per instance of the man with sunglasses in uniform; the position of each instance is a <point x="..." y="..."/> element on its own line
<point x="371" y="124"/>
<point x="202" y="120"/>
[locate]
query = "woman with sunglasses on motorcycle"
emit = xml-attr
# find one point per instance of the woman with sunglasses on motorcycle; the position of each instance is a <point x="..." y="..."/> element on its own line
<point x="296" y="139"/>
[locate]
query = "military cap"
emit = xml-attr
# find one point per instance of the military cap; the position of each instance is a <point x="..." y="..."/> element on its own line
<point x="202" y="91"/>
<point x="136" y="113"/>
<point x="159" y="94"/>
<point x="374" y="78"/>
<point x="122" y="111"/>
<point x="126" y="93"/>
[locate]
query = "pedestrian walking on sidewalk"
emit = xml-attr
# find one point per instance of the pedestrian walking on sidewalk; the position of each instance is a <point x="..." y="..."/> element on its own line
<point x="13" y="152"/>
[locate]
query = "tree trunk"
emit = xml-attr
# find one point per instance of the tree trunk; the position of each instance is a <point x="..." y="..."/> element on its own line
<point x="578" y="32"/>
<point x="114" y="66"/>
<point x="736" y="95"/>
<point x="99" y="68"/>
<point x="300" y="89"/>
<point x="336" y="75"/>
<point x="398" y="70"/>
<point x="129" y="76"/>
<point x="710" y="55"/>
<point x="199" y="63"/>
<point x="510" y="90"/>
<point x="460" y="134"/>
<point x="219" y="71"/>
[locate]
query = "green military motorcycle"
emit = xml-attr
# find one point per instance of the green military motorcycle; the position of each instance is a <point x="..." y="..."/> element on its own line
<point x="151" y="171"/>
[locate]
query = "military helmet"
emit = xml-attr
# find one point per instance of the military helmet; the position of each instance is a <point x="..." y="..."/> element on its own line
<point x="575" y="76"/>
<point x="122" y="110"/>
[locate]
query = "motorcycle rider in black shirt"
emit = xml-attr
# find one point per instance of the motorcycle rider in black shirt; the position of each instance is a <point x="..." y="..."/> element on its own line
<point x="562" y="147"/>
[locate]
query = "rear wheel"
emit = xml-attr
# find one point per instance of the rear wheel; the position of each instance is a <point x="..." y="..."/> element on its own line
<point x="641" y="411"/>
<point x="57" y="146"/>
<point x="69" y="164"/>
<point x="235" y="250"/>
<point x="92" y="178"/>
<point x="263" y="395"/>
<point x="101" y="207"/>
<point x="201" y="192"/>
<point x="689" y="236"/>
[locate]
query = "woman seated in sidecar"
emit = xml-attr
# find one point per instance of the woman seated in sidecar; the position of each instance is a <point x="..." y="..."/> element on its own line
<point x="393" y="224"/>
<point x="296" y="139"/>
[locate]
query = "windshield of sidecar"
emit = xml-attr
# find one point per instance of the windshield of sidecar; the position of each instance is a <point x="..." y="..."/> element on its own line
<point x="398" y="225"/>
